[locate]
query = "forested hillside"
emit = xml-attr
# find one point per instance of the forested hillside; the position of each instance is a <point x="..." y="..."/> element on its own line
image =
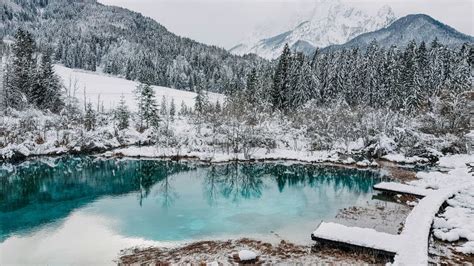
<point x="91" y="36"/>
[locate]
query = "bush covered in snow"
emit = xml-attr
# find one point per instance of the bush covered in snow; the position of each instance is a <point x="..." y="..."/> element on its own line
<point x="366" y="132"/>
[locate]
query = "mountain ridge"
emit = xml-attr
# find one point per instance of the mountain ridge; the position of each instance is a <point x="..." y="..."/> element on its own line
<point x="417" y="27"/>
<point x="331" y="22"/>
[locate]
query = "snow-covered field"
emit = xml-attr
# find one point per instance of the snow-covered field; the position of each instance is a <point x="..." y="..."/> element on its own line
<point x="110" y="89"/>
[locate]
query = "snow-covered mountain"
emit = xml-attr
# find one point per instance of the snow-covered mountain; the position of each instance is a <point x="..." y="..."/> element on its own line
<point x="331" y="22"/>
<point x="418" y="27"/>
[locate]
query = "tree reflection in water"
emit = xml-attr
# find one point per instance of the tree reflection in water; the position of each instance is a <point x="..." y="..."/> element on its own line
<point x="150" y="172"/>
<point x="237" y="181"/>
<point x="234" y="181"/>
<point x="43" y="191"/>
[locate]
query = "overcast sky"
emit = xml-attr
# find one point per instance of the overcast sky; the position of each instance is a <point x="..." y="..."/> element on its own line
<point x="227" y="22"/>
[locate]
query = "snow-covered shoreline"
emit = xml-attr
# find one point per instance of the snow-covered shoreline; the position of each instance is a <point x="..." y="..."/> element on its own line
<point x="20" y="153"/>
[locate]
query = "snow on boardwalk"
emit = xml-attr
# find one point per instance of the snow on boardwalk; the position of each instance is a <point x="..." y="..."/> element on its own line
<point x="364" y="237"/>
<point x="411" y="246"/>
<point x="415" y="234"/>
<point x="401" y="188"/>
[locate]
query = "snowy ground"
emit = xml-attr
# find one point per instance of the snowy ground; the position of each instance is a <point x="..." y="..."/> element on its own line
<point x="111" y="88"/>
<point x="456" y="222"/>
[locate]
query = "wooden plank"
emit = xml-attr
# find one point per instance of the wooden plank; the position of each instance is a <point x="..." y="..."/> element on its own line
<point x="357" y="248"/>
<point x="397" y="188"/>
<point x="357" y="236"/>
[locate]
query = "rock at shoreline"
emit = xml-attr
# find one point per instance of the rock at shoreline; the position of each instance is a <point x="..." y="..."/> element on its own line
<point x="247" y="255"/>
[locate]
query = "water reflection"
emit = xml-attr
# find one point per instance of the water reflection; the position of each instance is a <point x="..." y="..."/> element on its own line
<point x="244" y="180"/>
<point x="234" y="181"/>
<point x="46" y="191"/>
<point x="40" y="192"/>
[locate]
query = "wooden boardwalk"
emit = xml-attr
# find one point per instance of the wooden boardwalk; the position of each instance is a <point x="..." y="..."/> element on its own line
<point x="398" y="188"/>
<point x="355" y="238"/>
<point x="408" y="248"/>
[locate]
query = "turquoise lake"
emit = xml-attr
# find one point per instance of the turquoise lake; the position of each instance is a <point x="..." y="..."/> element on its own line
<point x="102" y="205"/>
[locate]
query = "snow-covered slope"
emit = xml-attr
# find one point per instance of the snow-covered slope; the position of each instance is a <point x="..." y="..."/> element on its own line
<point x="331" y="22"/>
<point x="111" y="88"/>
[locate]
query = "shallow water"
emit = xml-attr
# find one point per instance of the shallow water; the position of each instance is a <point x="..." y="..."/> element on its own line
<point x="84" y="210"/>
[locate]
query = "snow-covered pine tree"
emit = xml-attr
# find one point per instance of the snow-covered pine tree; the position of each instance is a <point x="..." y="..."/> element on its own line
<point x="309" y="85"/>
<point x="46" y="93"/>
<point x="461" y="70"/>
<point x="314" y="60"/>
<point x="421" y="76"/>
<point x="147" y="113"/>
<point x="90" y="118"/>
<point x="298" y="91"/>
<point x="470" y="56"/>
<point x="321" y="74"/>
<point x="183" y="110"/>
<point x="200" y="101"/>
<point x="3" y="93"/>
<point x="22" y="74"/>
<point x="329" y="75"/>
<point x="252" y="87"/>
<point x="280" y="80"/>
<point x="408" y="97"/>
<point x="357" y="76"/>
<point x="218" y="108"/>
<point x="172" y="109"/>
<point x="436" y="69"/>
<point x="388" y="79"/>
<point x="345" y="79"/>
<point x="342" y="79"/>
<point x="122" y="114"/>
<point x="163" y="107"/>
<point x="371" y="73"/>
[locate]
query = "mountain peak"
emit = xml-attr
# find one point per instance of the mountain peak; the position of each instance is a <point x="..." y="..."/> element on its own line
<point x="385" y="10"/>
<point x="330" y="22"/>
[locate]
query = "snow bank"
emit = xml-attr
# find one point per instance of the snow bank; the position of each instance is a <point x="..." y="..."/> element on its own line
<point x="400" y="158"/>
<point x="467" y="248"/>
<point x="456" y="161"/>
<point x="219" y="157"/>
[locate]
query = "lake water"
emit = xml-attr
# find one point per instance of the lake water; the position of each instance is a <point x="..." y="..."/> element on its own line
<point x="84" y="210"/>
